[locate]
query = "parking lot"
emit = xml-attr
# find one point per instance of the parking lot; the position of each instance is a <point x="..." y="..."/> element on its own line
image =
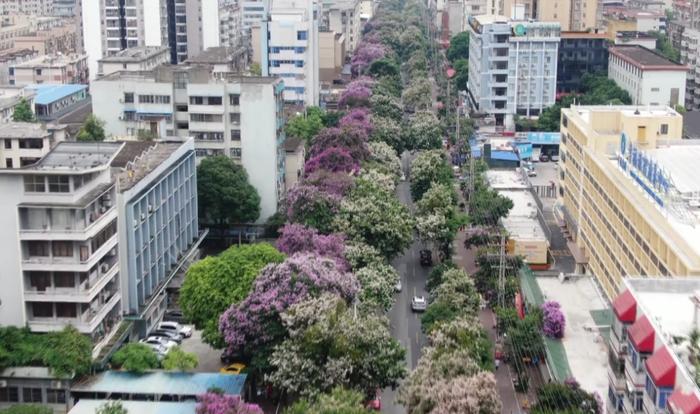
<point x="547" y="172"/>
<point x="209" y="358"/>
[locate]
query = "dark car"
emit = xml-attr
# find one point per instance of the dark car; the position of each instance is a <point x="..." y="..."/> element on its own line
<point x="174" y="316"/>
<point x="544" y="157"/>
<point x="173" y="336"/>
<point x="426" y="258"/>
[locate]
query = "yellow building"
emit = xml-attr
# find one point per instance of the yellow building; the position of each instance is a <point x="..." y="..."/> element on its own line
<point x="629" y="193"/>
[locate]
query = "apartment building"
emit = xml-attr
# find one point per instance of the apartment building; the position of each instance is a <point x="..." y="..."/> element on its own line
<point x="134" y="59"/>
<point x="580" y="53"/>
<point x="30" y="7"/>
<point x="331" y="54"/>
<point x="573" y="15"/>
<point x="65" y="8"/>
<point x="11" y="57"/>
<point x="25" y="143"/>
<point x="474" y="8"/>
<point x="632" y="20"/>
<point x="649" y="77"/>
<point x="652" y="358"/>
<point x="688" y="48"/>
<point x="186" y="27"/>
<point x="286" y="46"/>
<point x="254" y="12"/>
<point x="223" y="59"/>
<point x="629" y="193"/>
<point x="231" y="33"/>
<point x="512" y="67"/>
<point x="54" y="101"/>
<point x="51" y="69"/>
<point x="239" y="117"/>
<point x="11" y="27"/>
<point x="344" y="17"/>
<point x="62" y="39"/>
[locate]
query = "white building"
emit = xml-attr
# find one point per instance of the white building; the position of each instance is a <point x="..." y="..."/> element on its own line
<point x="512" y="67"/>
<point x="30" y="7"/>
<point x="10" y="97"/>
<point x="24" y="143"/>
<point x="134" y="59"/>
<point x="344" y="17"/>
<point x="186" y="27"/>
<point x="254" y="13"/>
<point x="650" y="78"/>
<point x="474" y="8"/>
<point x="689" y="56"/>
<point x="239" y="117"/>
<point x="367" y="9"/>
<point x="287" y="47"/>
<point x="231" y="27"/>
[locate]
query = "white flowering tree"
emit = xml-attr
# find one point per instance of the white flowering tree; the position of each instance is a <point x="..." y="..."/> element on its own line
<point x="377" y="283"/>
<point x="383" y="157"/>
<point x="424" y="132"/>
<point x="389" y="131"/>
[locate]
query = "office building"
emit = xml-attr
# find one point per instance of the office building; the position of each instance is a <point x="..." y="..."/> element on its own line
<point x="512" y="67"/>
<point x="25" y="143"/>
<point x="629" y="193"/>
<point x="653" y="365"/>
<point x="186" y="27"/>
<point x="239" y="117"/>
<point x="134" y="59"/>
<point x="286" y="46"/>
<point x="51" y="69"/>
<point x="649" y="77"/>
<point x="580" y="53"/>
<point x="343" y="16"/>
<point x="367" y="8"/>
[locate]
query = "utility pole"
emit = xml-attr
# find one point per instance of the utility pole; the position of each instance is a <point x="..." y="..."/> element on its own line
<point x="502" y="273"/>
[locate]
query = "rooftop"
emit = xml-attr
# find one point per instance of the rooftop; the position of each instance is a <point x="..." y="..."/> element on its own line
<point x="85" y="406"/>
<point x="77" y="156"/>
<point x="47" y="93"/>
<point x="23" y="130"/>
<point x="160" y="383"/>
<point x="521" y="222"/>
<point x="586" y="351"/>
<point x="164" y="74"/>
<point x="583" y="35"/>
<point x="137" y="159"/>
<point x="505" y="180"/>
<point x="214" y="55"/>
<point x="135" y="54"/>
<point x="54" y="60"/>
<point x="644" y="58"/>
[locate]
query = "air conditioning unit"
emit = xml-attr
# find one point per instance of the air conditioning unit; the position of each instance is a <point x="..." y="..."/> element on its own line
<point x="143" y="216"/>
<point x="104" y="268"/>
<point x="3" y="384"/>
<point x="103" y="209"/>
<point x="121" y="118"/>
<point x="112" y="252"/>
<point x="150" y="208"/>
<point x="108" y="203"/>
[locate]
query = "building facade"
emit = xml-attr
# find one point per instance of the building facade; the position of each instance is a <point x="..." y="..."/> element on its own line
<point x="239" y="117"/>
<point x="512" y="67"/>
<point x="62" y="69"/>
<point x="53" y="101"/>
<point x="287" y="47"/>
<point x="649" y="77"/>
<point x="343" y="16"/>
<point x="580" y="53"/>
<point x="652" y="366"/>
<point x="10" y="97"/>
<point x="25" y="143"/>
<point x="134" y="59"/>
<point x="628" y="193"/>
<point x="254" y="13"/>
<point x="232" y="34"/>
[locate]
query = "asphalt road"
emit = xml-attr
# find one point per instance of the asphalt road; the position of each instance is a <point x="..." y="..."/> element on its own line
<point x="405" y="324"/>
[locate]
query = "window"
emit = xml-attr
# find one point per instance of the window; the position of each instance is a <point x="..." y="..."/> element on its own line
<point x="9" y="394"/>
<point x="146" y="99"/>
<point x="31" y="143"/>
<point x="8" y="144"/>
<point x="196" y="100"/>
<point x="59" y="184"/>
<point x="235" y="118"/>
<point x="38" y="72"/>
<point x="34" y="184"/>
<point x="654" y="89"/>
<point x="128" y="97"/>
<point x="8" y="162"/>
<point x="66" y="310"/>
<point x="42" y="309"/>
<point x="55" y="396"/>
<point x="31" y="395"/>
<point x="301" y="35"/>
<point x="206" y="118"/>
<point x="234" y="99"/>
<point x="236" y="152"/>
<point x="664" y="129"/>
<point x="39" y="280"/>
<point x="181" y="108"/>
<point x="235" y="135"/>
<point x="215" y="100"/>
<point x="62" y="248"/>
<point x="38" y="248"/>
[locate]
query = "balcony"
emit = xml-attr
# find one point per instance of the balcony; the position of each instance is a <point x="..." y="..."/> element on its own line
<point x="85" y="292"/>
<point x="616" y="372"/>
<point x="87" y="322"/>
<point x="634" y="378"/>
<point x="76" y="263"/>
<point x="77" y="231"/>
<point x="617" y="347"/>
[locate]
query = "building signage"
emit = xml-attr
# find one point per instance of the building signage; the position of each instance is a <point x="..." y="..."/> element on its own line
<point x="519" y="30"/>
<point x="645" y="171"/>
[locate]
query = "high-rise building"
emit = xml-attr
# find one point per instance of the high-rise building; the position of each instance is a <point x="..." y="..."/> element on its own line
<point x="580" y="53"/>
<point x="344" y="17"/>
<point x="239" y="117"/>
<point x="186" y="26"/>
<point x="572" y="15"/>
<point x="232" y="34"/>
<point x="286" y="46"/>
<point x="629" y="193"/>
<point x="512" y="67"/>
<point x="254" y="12"/>
<point x="65" y="8"/>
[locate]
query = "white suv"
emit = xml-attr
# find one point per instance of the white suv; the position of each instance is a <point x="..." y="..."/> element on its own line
<point x="175" y="327"/>
<point x="419" y="304"/>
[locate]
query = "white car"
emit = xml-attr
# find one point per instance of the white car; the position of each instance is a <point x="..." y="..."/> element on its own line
<point x="403" y="177"/>
<point x="419" y="304"/>
<point x="156" y="340"/>
<point x="185" y="331"/>
<point x="398" y="286"/>
<point x="159" y="349"/>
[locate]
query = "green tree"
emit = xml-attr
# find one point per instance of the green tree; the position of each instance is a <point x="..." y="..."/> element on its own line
<point x="306" y="125"/>
<point x="225" y="196"/>
<point x="136" y="358"/>
<point x="92" y="130"/>
<point x="459" y="47"/>
<point x="424" y="132"/>
<point x="255" y="69"/>
<point x="427" y="168"/>
<point x="338" y="401"/>
<point x="112" y="407"/>
<point x="384" y="67"/>
<point x="27" y="409"/>
<point x="179" y="360"/>
<point x="215" y="283"/>
<point x="461" y="78"/>
<point x="665" y="47"/>
<point x="68" y="352"/>
<point x="563" y="398"/>
<point x="23" y="112"/>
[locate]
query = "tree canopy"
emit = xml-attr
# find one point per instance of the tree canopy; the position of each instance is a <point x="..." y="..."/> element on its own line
<point x="93" y="129"/>
<point x="27" y="409"/>
<point x="225" y="196"/>
<point x="136" y="357"/>
<point x="338" y="401"/>
<point x="23" y="112"/>
<point x="111" y="407"/>
<point x="215" y="283"/>
<point x="306" y="125"/>
<point x="179" y="360"/>
<point x="459" y="47"/>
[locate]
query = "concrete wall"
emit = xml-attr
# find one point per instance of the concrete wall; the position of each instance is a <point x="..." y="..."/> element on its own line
<point x="12" y="310"/>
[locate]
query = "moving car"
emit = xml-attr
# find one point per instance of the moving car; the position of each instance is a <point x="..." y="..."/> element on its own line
<point x="185" y="331"/>
<point x="159" y="340"/>
<point x="419" y="304"/>
<point x="173" y="336"/>
<point x="426" y="258"/>
<point x="235" y="368"/>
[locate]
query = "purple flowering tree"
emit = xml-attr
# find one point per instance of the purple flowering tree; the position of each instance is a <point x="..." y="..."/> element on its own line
<point x="355" y="94"/>
<point x="312" y="207"/>
<point x="256" y="322"/>
<point x="332" y="159"/>
<point x="295" y="238"/>
<point x="365" y="54"/>
<point x="351" y="137"/>
<point x="335" y="183"/>
<point x="357" y="117"/>
<point x="216" y="403"/>
<point x="553" y="321"/>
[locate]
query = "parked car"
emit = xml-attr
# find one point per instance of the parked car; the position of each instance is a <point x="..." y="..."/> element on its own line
<point x="160" y="350"/>
<point x="235" y="368"/>
<point x="419" y="304"/>
<point x="183" y="330"/>
<point x="159" y="340"/>
<point x="426" y="258"/>
<point x="173" y="336"/>
<point x="174" y="316"/>
<point x="544" y="157"/>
